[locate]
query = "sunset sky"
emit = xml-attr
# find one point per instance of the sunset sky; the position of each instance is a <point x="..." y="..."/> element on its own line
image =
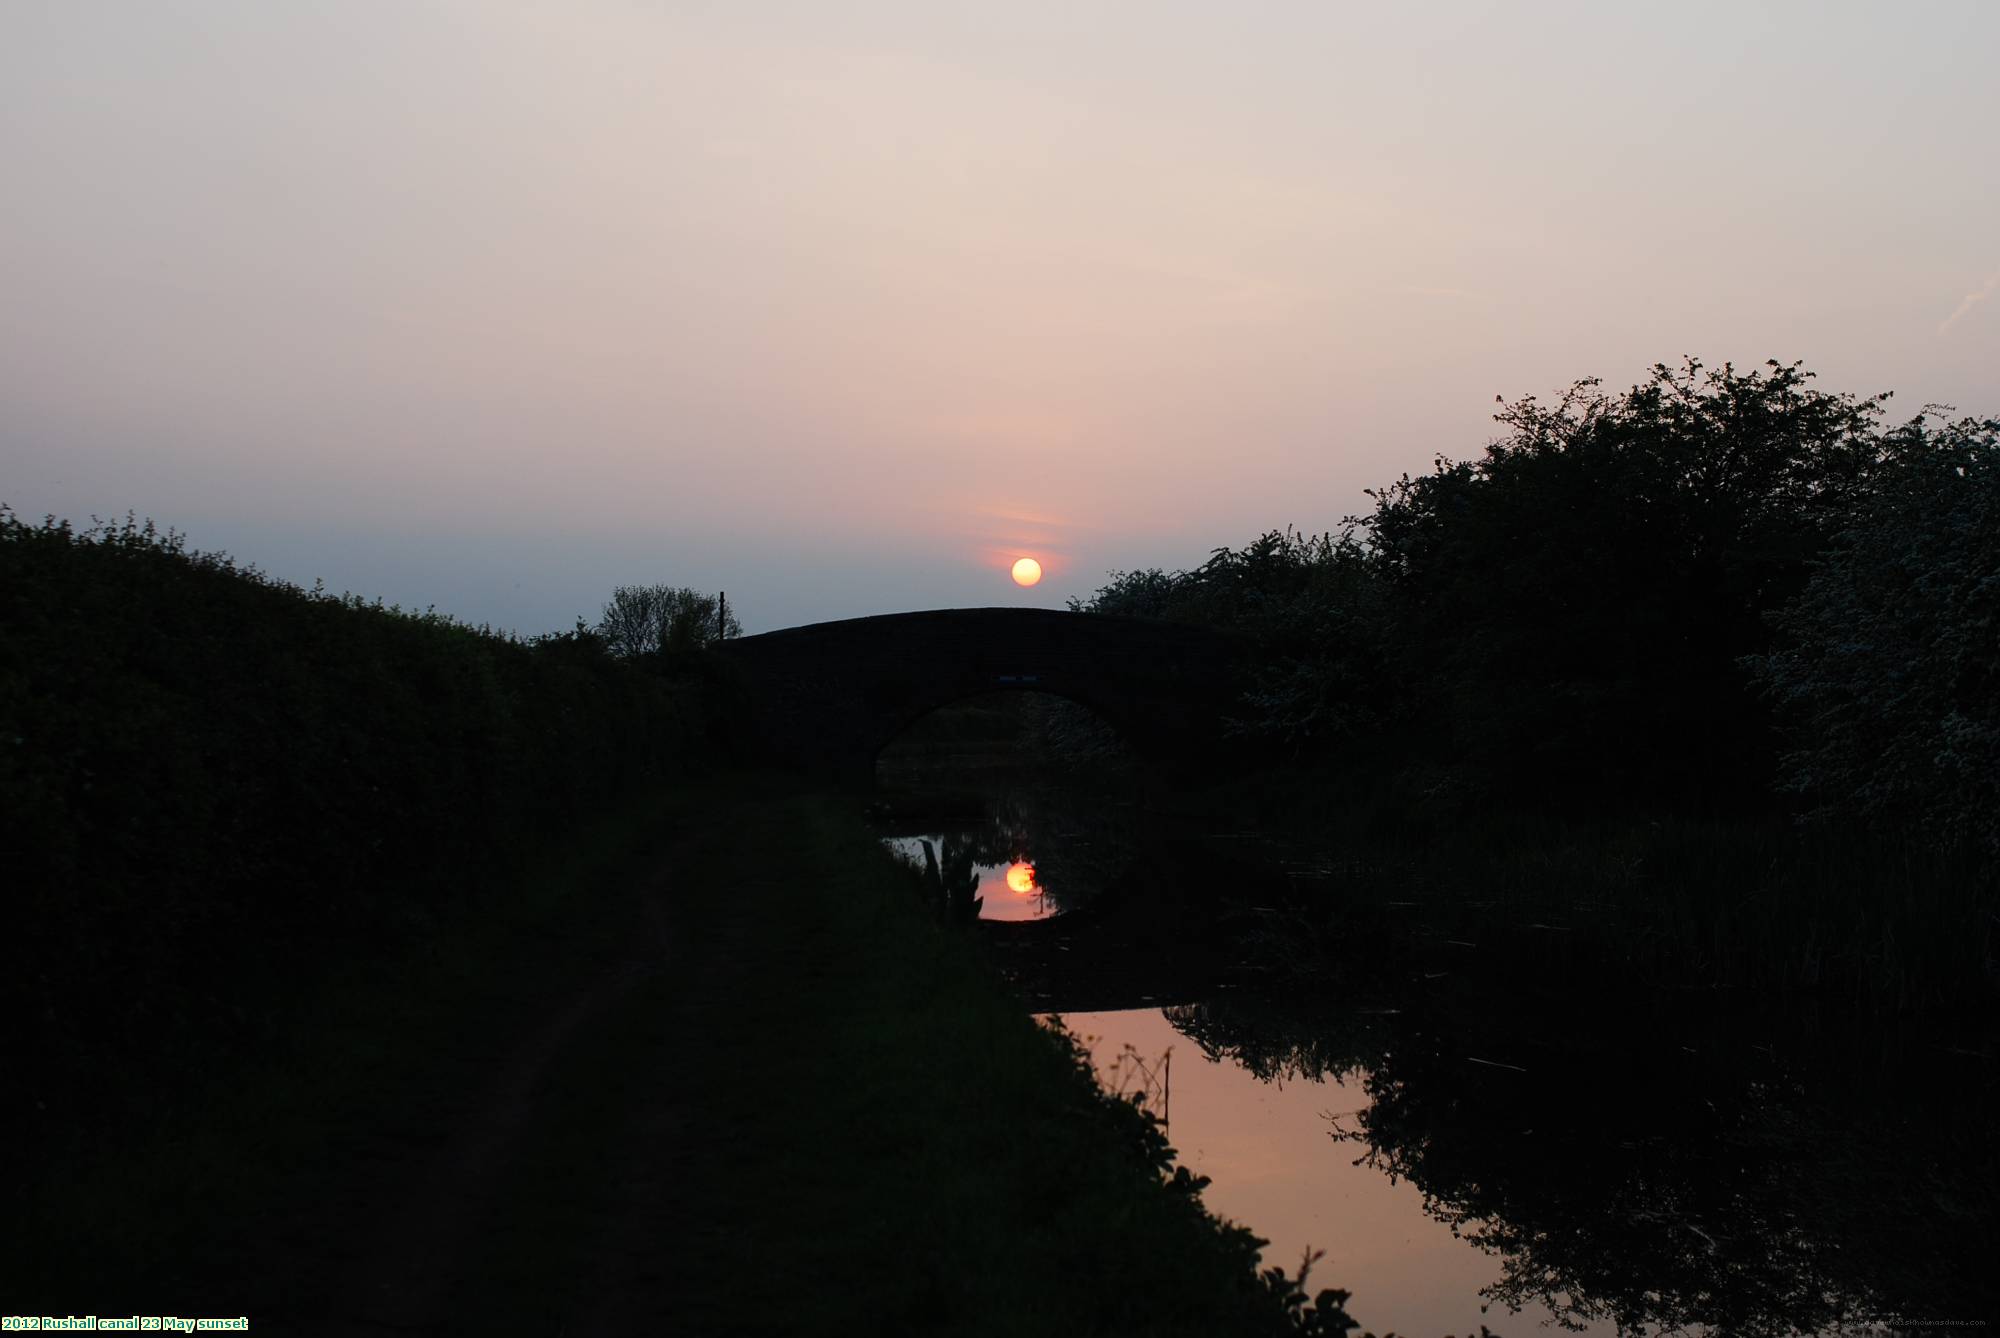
<point x="844" y="307"/>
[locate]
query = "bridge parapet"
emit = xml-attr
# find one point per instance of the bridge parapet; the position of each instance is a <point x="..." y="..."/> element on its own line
<point x="829" y="696"/>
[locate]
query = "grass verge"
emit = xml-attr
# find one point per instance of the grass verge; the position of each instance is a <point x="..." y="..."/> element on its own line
<point x="882" y="1142"/>
<point x="257" y="1177"/>
<point x="812" y="1110"/>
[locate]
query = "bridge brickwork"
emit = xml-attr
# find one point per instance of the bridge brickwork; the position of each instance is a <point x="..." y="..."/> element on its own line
<point x="828" y="697"/>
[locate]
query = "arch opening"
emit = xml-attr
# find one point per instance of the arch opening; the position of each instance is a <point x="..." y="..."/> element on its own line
<point x="1013" y="730"/>
<point x="1008" y="805"/>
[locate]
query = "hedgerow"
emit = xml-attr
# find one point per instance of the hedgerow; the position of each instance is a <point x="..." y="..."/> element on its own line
<point x="214" y="784"/>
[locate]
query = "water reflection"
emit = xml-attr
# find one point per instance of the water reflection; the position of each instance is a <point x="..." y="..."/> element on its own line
<point x="1645" y="1169"/>
<point x="1026" y="851"/>
<point x="1268" y="1149"/>
<point x="1661" y="1174"/>
<point x="1507" y="1137"/>
<point x="965" y="883"/>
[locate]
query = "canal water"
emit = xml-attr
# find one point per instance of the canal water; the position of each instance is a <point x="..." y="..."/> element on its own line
<point x="1272" y="1152"/>
<point x="1507" y="1148"/>
<point x="1277" y="1149"/>
<point x="1006" y="889"/>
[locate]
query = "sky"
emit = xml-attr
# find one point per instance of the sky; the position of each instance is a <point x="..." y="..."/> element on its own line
<point x="841" y="308"/>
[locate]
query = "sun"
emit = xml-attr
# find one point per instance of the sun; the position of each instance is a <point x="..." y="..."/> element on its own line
<point x="1021" y="877"/>
<point x="1027" y="571"/>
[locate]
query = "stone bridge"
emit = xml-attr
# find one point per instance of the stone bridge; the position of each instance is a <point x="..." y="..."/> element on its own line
<point x="828" y="697"/>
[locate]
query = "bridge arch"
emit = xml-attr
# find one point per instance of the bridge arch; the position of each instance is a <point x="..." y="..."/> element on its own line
<point x="829" y="696"/>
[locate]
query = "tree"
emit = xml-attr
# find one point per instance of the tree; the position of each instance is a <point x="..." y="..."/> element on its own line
<point x="1888" y="683"/>
<point x="1573" y="608"/>
<point x="643" y="620"/>
<point x="1311" y="602"/>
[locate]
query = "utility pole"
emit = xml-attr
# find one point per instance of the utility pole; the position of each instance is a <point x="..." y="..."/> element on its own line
<point x="722" y="615"/>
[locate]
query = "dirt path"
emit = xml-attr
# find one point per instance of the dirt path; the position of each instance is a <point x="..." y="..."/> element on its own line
<point x="540" y="1206"/>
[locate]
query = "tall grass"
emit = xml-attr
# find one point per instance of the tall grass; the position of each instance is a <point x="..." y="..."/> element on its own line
<point x="864" y="1173"/>
<point x="1668" y="901"/>
<point x="1752" y="906"/>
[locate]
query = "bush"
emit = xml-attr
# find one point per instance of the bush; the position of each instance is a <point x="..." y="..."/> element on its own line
<point x="1889" y="681"/>
<point x="212" y="783"/>
<point x="1572" y="609"/>
<point x="1314" y="605"/>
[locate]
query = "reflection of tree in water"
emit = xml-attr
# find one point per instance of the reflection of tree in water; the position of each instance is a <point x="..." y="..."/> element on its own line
<point x="1026" y="776"/>
<point x="953" y="881"/>
<point x="1077" y="849"/>
<point x="1078" y="846"/>
<point x="1622" y="1178"/>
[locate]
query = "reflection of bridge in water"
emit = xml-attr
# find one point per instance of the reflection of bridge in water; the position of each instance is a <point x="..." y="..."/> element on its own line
<point x="1062" y="965"/>
<point x="1140" y="944"/>
<point x="1149" y="940"/>
<point x="829" y="696"/>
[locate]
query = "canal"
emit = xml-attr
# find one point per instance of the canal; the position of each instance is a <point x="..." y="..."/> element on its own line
<point x="1465" y="1139"/>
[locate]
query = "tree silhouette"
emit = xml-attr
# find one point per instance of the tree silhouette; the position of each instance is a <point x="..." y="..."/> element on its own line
<point x="643" y="620"/>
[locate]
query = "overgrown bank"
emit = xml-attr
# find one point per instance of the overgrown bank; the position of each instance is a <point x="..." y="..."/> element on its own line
<point x="1749" y="908"/>
<point x="904" y="1151"/>
<point x="1701" y="673"/>
<point x="259" y="1187"/>
<point x="215" y="787"/>
<point x="1717" y="593"/>
<point x="781" y="1099"/>
<point x="278" y="955"/>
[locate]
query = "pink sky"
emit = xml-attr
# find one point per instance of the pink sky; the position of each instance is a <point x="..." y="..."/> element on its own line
<point x="841" y="308"/>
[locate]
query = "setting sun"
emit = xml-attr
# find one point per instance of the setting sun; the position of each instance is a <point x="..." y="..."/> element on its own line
<point x="1021" y="877"/>
<point x="1027" y="571"/>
